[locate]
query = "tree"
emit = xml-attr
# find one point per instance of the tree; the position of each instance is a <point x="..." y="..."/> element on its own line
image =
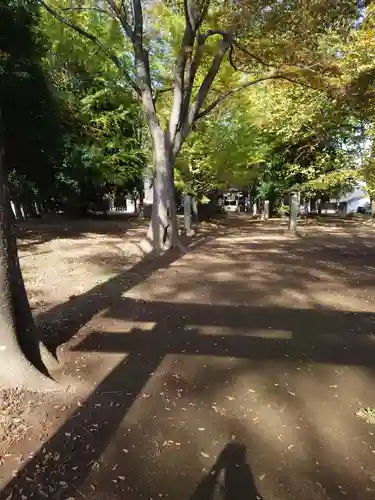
<point x="273" y="40"/>
<point x="21" y="359"/>
<point x="103" y="126"/>
<point x="355" y="94"/>
<point x="222" y="151"/>
<point x="102" y="153"/>
<point x="30" y="111"/>
<point x="310" y="142"/>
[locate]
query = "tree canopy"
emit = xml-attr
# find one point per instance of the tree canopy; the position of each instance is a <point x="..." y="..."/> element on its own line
<point x="281" y="92"/>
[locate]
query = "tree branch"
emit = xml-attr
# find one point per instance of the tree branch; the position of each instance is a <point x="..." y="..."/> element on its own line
<point x="201" y="94"/>
<point x="170" y="89"/>
<point x="225" y="95"/>
<point x="253" y="56"/>
<point x="261" y="61"/>
<point x="209" y="78"/>
<point x="204" y="8"/>
<point x="121" y="18"/>
<point x="85" y="9"/>
<point x="142" y="67"/>
<point x="190" y="15"/>
<point x="201" y="40"/>
<point x="186" y="65"/>
<point x="95" y="41"/>
<point x="138" y="21"/>
<point x="185" y="54"/>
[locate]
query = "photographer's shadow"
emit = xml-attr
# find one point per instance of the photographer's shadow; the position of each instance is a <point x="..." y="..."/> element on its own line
<point x="230" y="478"/>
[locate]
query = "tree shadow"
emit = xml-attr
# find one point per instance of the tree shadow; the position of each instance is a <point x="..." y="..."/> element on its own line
<point x="230" y="478"/>
<point x="33" y="232"/>
<point x="59" y="324"/>
<point x="65" y="462"/>
<point x="61" y="466"/>
<point x="290" y="338"/>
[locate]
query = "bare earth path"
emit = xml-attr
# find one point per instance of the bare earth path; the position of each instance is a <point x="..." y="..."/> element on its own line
<point x="251" y="353"/>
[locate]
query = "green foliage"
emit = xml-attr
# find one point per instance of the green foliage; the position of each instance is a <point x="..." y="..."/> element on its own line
<point x="102" y="146"/>
<point x="103" y="129"/>
<point x="336" y="182"/>
<point x="78" y="121"/>
<point x="283" y="210"/>
<point x="29" y="110"/>
<point x="71" y="128"/>
<point x="224" y="150"/>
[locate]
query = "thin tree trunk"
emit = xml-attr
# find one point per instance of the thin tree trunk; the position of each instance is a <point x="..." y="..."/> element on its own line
<point x="14" y="210"/>
<point x="194" y="209"/>
<point x="187" y="213"/>
<point x="318" y="205"/>
<point x="141" y="207"/>
<point x="111" y="202"/>
<point x="293" y="213"/>
<point x="266" y="210"/>
<point x="174" y="234"/>
<point x="21" y="361"/>
<point x="373" y="208"/>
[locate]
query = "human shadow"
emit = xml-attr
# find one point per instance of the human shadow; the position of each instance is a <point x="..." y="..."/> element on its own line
<point x="230" y="478"/>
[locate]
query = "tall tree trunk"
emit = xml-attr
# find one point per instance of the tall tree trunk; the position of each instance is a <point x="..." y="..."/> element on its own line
<point x="21" y="361"/>
<point x="159" y="225"/>
<point x="372" y="207"/>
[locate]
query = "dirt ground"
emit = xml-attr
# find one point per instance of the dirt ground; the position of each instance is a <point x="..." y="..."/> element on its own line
<point x="234" y="371"/>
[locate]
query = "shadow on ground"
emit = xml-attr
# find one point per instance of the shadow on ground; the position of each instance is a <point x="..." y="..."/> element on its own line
<point x="34" y="232"/>
<point x="64" y="464"/>
<point x="194" y="377"/>
<point x="59" y="324"/>
<point x="230" y="478"/>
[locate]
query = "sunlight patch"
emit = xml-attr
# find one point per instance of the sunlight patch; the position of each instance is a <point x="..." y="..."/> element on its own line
<point x="127" y="326"/>
<point x="223" y="330"/>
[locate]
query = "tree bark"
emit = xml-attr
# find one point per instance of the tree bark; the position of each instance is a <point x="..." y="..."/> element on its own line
<point x="21" y="363"/>
<point x="372" y="208"/>
<point x="163" y="232"/>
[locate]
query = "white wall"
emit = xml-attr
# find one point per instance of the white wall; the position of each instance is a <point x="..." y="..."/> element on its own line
<point x="356" y="198"/>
